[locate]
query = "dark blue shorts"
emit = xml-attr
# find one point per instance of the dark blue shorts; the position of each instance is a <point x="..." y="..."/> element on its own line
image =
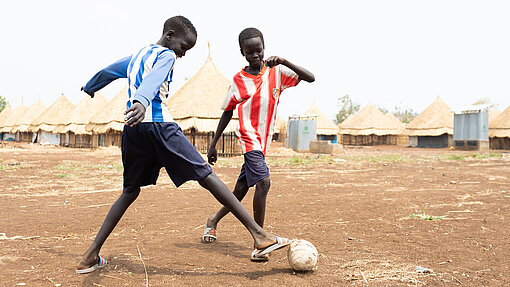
<point x="254" y="168"/>
<point x="148" y="147"/>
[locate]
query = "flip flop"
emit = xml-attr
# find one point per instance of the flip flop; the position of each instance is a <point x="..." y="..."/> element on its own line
<point x="280" y="243"/>
<point x="100" y="264"/>
<point x="209" y="234"/>
<point x="263" y="258"/>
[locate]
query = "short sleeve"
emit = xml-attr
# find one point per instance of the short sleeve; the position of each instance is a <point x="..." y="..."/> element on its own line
<point x="288" y="78"/>
<point x="234" y="97"/>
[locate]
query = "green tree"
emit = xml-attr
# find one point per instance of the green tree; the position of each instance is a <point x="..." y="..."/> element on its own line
<point x="404" y="114"/>
<point x="3" y="103"/>
<point x="347" y="108"/>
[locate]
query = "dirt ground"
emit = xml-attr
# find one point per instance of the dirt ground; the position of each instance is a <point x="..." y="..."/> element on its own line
<point x="379" y="216"/>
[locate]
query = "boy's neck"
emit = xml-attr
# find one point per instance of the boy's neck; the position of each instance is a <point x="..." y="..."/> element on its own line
<point x="254" y="70"/>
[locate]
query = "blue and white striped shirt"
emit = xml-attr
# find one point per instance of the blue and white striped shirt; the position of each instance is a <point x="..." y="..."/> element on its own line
<point x="149" y="73"/>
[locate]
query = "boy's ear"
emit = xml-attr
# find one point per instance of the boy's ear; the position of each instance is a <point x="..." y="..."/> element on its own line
<point x="242" y="53"/>
<point x="169" y="34"/>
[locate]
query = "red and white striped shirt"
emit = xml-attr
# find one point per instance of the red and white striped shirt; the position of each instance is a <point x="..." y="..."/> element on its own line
<point x="258" y="97"/>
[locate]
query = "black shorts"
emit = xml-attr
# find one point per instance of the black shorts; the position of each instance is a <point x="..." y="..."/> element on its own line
<point x="254" y="168"/>
<point x="148" y="147"/>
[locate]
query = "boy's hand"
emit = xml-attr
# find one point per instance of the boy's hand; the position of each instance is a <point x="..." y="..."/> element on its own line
<point x="212" y="155"/>
<point x="274" y="61"/>
<point x="134" y="115"/>
<point x="90" y="94"/>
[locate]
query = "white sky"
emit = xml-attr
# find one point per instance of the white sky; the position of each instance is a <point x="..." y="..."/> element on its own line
<point x="389" y="53"/>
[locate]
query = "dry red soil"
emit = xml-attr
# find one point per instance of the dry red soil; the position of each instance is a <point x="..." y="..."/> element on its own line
<point x="362" y="209"/>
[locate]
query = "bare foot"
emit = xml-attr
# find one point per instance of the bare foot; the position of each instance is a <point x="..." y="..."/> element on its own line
<point x="87" y="261"/>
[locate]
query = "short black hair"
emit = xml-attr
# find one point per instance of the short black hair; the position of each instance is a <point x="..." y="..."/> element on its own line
<point x="250" y="33"/>
<point x="179" y="24"/>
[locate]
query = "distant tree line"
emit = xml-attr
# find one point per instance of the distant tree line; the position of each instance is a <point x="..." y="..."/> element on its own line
<point x="3" y="103"/>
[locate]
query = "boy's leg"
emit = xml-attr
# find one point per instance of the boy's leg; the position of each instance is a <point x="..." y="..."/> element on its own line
<point x="239" y="192"/>
<point x="120" y="206"/>
<point x="221" y="192"/>
<point x="259" y="200"/>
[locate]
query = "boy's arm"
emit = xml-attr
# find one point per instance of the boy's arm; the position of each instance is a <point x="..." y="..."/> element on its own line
<point x="212" y="155"/>
<point x="152" y="82"/>
<point x="107" y="75"/>
<point x="303" y="73"/>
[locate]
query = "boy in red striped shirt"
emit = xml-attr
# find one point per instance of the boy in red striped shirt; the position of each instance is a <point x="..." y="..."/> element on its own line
<point x="255" y="91"/>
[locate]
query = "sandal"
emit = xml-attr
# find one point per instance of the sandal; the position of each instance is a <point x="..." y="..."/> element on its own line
<point x="209" y="235"/>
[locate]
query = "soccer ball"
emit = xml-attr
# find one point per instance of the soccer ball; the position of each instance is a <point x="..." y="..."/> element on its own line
<point x="302" y="255"/>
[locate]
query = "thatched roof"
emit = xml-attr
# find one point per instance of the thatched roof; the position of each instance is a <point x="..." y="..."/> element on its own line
<point x="369" y="120"/>
<point x="435" y="120"/>
<point x="13" y="119"/>
<point x="53" y="116"/>
<point x="493" y="114"/>
<point x="4" y="115"/>
<point x="79" y="117"/>
<point x="325" y="126"/>
<point x="111" y="116"/>
<point x="401" y="127"/>
<point x="32" y="113"/>
<point x="500" y="126"/>
<point x="197" y="103"/>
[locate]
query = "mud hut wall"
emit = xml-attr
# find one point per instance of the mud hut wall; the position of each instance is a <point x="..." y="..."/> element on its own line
<point x="26" y="137"/>
<point x="499" y="143"/>
<point x="369" y="140"/>
<point x="227" y="145"/>
<point x="81" y="141"/>
<point x="112" y="138"/>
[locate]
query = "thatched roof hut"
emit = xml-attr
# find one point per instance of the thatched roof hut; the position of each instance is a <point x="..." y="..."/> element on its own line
<point x="196" y="105"/>
<point x="435" y="120"/>
<point x="13" y="119"/>
<point x="32" y="113"/>
<point x="110" y="116"/>
<point x="500" y="126"/>
<point x="325" y="126"/>
<point x="369" y="120"/>
<point x="53" y="116"/>
<point x="79" y="117"/>
<point x="4" y="115"/>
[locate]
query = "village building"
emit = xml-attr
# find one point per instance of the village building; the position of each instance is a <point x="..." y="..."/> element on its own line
<point x="432" y="128"/>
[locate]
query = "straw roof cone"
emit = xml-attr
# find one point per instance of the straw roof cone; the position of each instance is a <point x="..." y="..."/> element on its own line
<point x="53" y="116"/>
<point x="493" y="114"/>
<point x="13" y="119"/>
<point x="398" y="123"/>
<point x="500" y="126"/>
<point x="435" y="120"/>
<point x="369" y="120"/>
<point x="4" y="115"/>
<point x="79" y="117"/>
<point x="111" y="116"/>
<point x="197" y="103"/>
<point x="325" y="126"/>
<point x="32" y="113"/>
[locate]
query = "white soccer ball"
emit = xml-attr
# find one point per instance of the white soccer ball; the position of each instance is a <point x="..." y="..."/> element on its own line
<point x="302" y="255"/>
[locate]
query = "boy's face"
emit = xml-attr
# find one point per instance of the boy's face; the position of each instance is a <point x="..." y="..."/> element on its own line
<point x="253" y="50"/>
<point x="180" y="43"/>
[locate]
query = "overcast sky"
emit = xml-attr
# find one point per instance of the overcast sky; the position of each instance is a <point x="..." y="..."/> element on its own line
<point x="390" y="53"/>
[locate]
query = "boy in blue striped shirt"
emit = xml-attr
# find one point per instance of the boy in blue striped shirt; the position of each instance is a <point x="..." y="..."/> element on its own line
<point x="151" y="140"/>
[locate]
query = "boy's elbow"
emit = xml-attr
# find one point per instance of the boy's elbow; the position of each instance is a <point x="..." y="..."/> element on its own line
<point x="310" y="78"/>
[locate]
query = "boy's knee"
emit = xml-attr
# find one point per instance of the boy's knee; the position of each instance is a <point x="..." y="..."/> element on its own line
<point x="131" y="192"/>
<point x="264" y="184"/>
